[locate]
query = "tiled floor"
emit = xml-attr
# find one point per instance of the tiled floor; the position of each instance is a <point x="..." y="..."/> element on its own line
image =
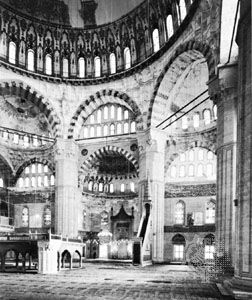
<point x="111" y="282"/>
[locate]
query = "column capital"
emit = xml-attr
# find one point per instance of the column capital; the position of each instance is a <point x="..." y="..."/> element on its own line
<point x="66" y="149"/>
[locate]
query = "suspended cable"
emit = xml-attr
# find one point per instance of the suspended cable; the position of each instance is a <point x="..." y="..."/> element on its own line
<point x="186" y="113"/>
<point x="182" y="108"/>
<point x="233" y="33"/>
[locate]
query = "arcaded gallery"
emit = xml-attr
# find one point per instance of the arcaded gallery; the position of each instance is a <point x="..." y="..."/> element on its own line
<point x="126" y="135"/>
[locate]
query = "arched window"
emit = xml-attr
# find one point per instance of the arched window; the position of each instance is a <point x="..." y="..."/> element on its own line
<point x="85" y="132"/>
<point x="97" y="66"/>
<point x="47" y="216"/>
<point x="112" y="129"/>
<point x="48" y="64"/>
<point x="21" y="182"/>
<point x="200" y="154"/>
<point x="200" y="170"/>
<point x="173" y="171"/>
<point x="98" y="130"/>
<point x="155" y="40"/>
<point x="169" y="26"/>
<point x="112" y="63"/>
<point x="122" y="188"/>
<point x="182" y="7"/>
<point x="191" y="170"/>
<point x="26" y="141"/>
<point x="92" y="119"/>
<point x="207" y="116"/>
<point x="126" y="115"/>
<point x="210" y="155"/>
<point x="112" y="112"/>
<point x="105" y="113"/>
<point x="178" y="242"/>
<point x="127" y="58"/>
<point x="35" y="141"/>
<point x="39" y="168"/>
<point x="30" y="60"/>
<point x="45" y="180"/>
<point x="92" y="131"/>
<point x="90" y="185"/>
<point x="119" y="113"/>
<point x="209" y="246"/>
<point x="33" y="168"/>
<point x="182" y="157"/>
<point x="132" y="187"/>
<point x="27" y="170"/>
<point x="81" y="66"/>
<point x="99" y="116"/>
<point x="184" y="122"/>
<point x="33" y="182"/>
<point x="1" y="182"/>
<point x="210" y="212"/>
<point x="182" y="171"/>
<point x="52" y="180"/>
<point x="65" y="67"/>
<point x="215" y="111"/>
<point x="178" y="14"/>
<point x="39" y="181"/>
<point x="100" y="187"/>
<point x="27" y="182"/>
<point x="180" y="213"/>
<point x="119" y="128"/>
<point x="25" y="217"/>
<point x="196" y="120"/>
<point x="111" y="188"/>
<point x="12" y="53"/>
<point x="191" y="155"/>
<point x="133" y="126"/>
<point x="45" y="168"/>
<point x="126" y="127"/>
<point x="105" y="130"/>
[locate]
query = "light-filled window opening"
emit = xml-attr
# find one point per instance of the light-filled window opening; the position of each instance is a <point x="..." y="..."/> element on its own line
<point x="65" y="67"/>
<point x="90" y="185"/>
<point x="119" y="113"/>
<point x="184" y="122"/>
<point x="122" y="188"/>
<point x="112" y="129"/>
<point x="105" y="130"/>
<point x="1" y="182"/>
<point x="33" y="182"/>
<point x="98" y="130"/>
<point x="173" y="171"/>
<point x="209" y="170"/>
<point x="178" y="14"/>
<point x="27" y="182"/>
<point x="200" y="154"/>
<point x="119" y="128"/>
<point x="47" y="216"/>
<point x="126" y="115"/>
<point x="26" y="141"/>
<point x="210" y="155"/>
<point x="112" y="63"/>
<point x="215" y="111"/>
<point x="155" y="39"/>
<point x="27" y="170"/>
<point x="182" y="7"/>
<point x="52" y="180"/>
<point x="207" y="116"/>
<point x="30" y="60"/>
<point x="196" y="120"/>
<point x="178" y="252"/>
<point x="48" y="64"/>
<point x="169" y="26"/>
<point x="182" y="157"/>
<point x="16" y="138"/>
<point x="45" y="168"/>
<point x="182" y="171"/>
<point x="99" y="116"/>
<point x="112" y="112"/>
<point x="81" y="65"/>
<point x="127" y="58"/>
<point x="12" y="53"/>
<point x="105" y="113"/>
<point x="21" y="182"/>
<point x="92" y="119"/>
<point x="39" y="168"/>
<point x="97" y="65"/>
<point x="180" y="213"/>
<point x="133" y="126"/>
<point x="132" y="187"/>
<point x="200" y="170"/>
<point x="85" y="132"/>
<point x="191" y="155"/>
<point x="33" y="168"/>
<point x="111" y="188"/>
<point x="209" y="247"/>
<point x="45" y="180"/>
<point x="39" y="181"/>
<point x="126" y="128"/>
<point x="92" y="132"/>
<point x="191" y="170"/>
<point x="25" y="217"/>
<point x="35" y="141"/>
<point x="100" y="187"/>
<point x="210" y="213"/>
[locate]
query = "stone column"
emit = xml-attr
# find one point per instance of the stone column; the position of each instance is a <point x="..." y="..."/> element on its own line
<point x="151" y="176"/>
<point x="67" y="197"/>
<point x="224" y="91"/>
<point x="243" y="254"/>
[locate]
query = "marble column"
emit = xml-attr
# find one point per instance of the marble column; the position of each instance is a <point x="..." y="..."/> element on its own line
<point x="223" y="90"/>
<point x="151" y="176"/>
<point x="243" y="254"/>
<point x="67" y="196"/>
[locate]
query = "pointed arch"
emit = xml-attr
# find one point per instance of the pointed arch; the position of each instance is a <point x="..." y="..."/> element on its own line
<point x="88" y="106"/>
<point x="20" y="89"/>
<point x="108" y="149"/>
<point x="186" y="53"/>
